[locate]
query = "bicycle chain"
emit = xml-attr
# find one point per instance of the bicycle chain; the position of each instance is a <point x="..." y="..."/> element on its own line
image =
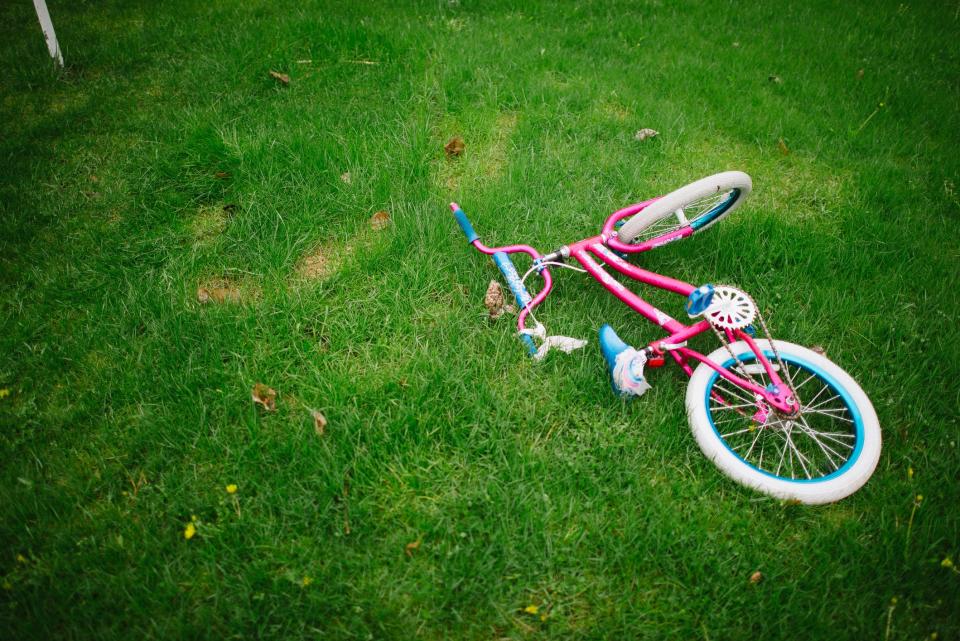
<point x="773" y="346"/>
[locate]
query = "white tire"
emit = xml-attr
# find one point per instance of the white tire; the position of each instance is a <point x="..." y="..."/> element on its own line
<point x="850" y="414"/>
<point x="706" y="200"/>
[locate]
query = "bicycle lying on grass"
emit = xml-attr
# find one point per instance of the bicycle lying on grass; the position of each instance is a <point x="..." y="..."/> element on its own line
<point x="772" y="415"/>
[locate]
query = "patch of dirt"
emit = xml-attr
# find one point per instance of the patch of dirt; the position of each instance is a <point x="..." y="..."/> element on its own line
<point x="216" y="291"/>
<point x="210" y="222"/>
<point x="316" y="265"/>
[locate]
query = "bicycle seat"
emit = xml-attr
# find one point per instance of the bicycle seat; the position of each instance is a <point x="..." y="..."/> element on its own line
<point x="624" y="363"/>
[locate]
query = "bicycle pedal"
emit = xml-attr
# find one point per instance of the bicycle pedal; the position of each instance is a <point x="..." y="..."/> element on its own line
<point x="656" y="361"/>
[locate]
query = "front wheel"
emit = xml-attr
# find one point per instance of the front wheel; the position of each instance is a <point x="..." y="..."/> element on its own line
<point x="698" y="205"/>
<point x="825" y="454"/>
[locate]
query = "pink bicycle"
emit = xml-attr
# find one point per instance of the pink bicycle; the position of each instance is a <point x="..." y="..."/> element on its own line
<point x="771" y="415"/>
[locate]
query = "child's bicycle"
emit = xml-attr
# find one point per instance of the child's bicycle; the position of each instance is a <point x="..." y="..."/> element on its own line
<point x="772" y="415"/>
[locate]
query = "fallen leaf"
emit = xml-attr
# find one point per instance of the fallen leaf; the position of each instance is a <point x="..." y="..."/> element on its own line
<point x="818" y="349"/>
<point x="346" y="177"/>
<point x="409" y="548"/>
<point x="777" y="80"/>
<point x="756" y="577"/>
<point x="645" y="133"/>
<point x="282" y="77"/>
<point x="222" y="174"/>
<point x="455" y="147"/>
<point x="495" y="302"/>
<point x="380" y="220"/>
<point x="263" y="395"/>
<point x="783" y="147"/>
<point x="319" y="422"/>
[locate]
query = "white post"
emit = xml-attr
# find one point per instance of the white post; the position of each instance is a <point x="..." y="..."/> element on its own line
<point x="48" y="33"/>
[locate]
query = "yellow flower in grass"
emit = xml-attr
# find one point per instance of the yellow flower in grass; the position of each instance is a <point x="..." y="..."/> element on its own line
<point x="5" y="392"/>
<point x="305" y="581"/>
<point x="946" y="563"/>
<point x="232" y="488"/>
<point x="189" y="531"/>
<point x="531" y="609"/>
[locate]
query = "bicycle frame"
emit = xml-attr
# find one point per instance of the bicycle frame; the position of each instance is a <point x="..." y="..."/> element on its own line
<point x="601" y="248"/>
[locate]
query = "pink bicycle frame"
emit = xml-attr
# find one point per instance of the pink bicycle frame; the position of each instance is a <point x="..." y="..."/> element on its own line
<point x="601" y="248"/>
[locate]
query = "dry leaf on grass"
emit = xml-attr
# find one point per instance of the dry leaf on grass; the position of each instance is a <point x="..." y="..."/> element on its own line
<point x="409" y="548"/>
<point x="777" y="80"/>
<point x="783" y="147"/>
<point x="645" y="133"/>
<point x="455" y="147"/>
<point x="818" y="349"/>
<point x="756" y="577"/>
<point x="222" y="175"/>
<point x="265" y="396"/>
<point x="346" y="177"/>
<point x="319" y="422"/>
<point x="380" y="220"/>
<point x="495" y="302"/>
<point x="281" y="77"/>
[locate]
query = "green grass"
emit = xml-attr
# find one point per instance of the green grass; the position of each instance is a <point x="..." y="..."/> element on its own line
<point x="128" y="406"/>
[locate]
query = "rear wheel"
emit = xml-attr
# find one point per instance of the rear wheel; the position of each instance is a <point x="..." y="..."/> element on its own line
<point x="698" y="205"/>
<point x="824" y="454"/>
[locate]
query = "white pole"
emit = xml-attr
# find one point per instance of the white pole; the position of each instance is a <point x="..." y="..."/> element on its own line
<point x="48" y="33"/>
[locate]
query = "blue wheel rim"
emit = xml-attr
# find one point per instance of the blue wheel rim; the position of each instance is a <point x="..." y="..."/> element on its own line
<point x="824" y="377"/>
<point x="707" y="217"/>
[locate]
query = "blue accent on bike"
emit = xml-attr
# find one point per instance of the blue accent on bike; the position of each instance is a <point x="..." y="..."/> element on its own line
<point x="699" y="300"/>
<point x="611" y="345"/>
<point x="520" y="293"/>
<point x="829" y="380"/>
<point x="749" y="329"/>
<point x="465" y="226"/>
<point x="713" y="214"/>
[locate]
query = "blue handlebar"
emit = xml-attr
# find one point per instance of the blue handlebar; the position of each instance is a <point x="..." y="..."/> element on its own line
<point x="465" y="225"/>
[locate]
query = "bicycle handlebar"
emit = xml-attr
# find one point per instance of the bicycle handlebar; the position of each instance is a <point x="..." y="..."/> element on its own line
<point x="501" y="258"/>
<point x="464" y="223"/>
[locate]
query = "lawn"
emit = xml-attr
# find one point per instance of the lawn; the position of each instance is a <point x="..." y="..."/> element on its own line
<point x="179" y="226"/>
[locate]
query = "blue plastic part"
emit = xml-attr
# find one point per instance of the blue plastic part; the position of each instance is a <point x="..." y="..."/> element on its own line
<point x="750" y="329"/>
<point x="520" y="293"/>
<point x="611" y="345"/>
<point x="465" y="226"/>
<point x="711" y="215"/>
<point x="699" y="300"/>
<point x="836" y="387"/>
